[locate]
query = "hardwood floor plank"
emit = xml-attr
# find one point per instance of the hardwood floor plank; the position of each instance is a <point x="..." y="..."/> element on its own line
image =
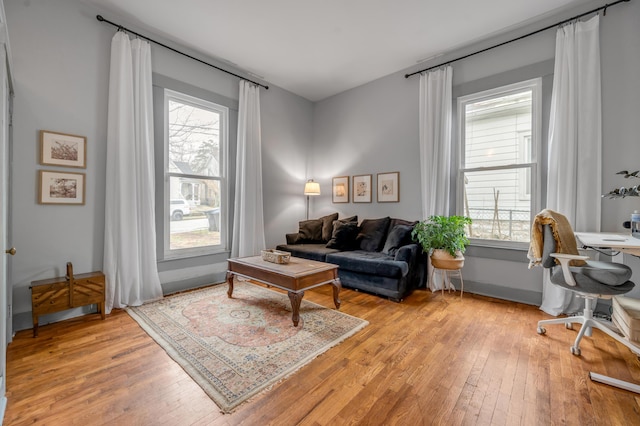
<point x="431" y="359"/>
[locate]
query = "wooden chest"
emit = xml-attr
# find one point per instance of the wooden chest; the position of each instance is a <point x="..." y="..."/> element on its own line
<point x="57" y="294"/>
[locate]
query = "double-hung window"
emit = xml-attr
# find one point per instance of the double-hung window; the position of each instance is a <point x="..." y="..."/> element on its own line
<point x="498" y="179"/>
<point x="196" y="133"/>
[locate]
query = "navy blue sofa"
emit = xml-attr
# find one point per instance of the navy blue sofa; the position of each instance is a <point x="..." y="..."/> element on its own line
<point x="376" y="256"/>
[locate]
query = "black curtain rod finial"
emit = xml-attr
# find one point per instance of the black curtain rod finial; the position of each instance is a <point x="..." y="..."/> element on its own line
<point x="99" y="18"/>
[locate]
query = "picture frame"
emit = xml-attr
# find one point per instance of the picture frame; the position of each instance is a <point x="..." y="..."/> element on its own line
<point x="389" y="187"/>
<point x="61" y="187"/>
<point x="61" y="149"/>
<point x="362" y="188"/>
<point x="340" y="189"/>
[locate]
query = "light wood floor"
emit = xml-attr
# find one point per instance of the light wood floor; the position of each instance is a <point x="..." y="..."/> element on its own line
<point x="428" y="360"/>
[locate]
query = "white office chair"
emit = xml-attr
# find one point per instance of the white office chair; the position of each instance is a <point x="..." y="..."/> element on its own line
<point x="591" y="280"/>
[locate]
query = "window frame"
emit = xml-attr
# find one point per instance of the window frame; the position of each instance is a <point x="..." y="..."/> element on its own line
<point x="535" y="165"/>
<point x="223" y="111"/>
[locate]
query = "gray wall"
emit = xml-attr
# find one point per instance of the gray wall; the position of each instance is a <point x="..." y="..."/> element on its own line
<point x="368" y="130"/>
<point x="61" y="69"/>
<point x="374" y="128"/>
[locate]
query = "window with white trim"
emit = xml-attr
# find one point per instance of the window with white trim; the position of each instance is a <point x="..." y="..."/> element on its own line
<point x="498" y="164"/>
<point x="196" y="141"/>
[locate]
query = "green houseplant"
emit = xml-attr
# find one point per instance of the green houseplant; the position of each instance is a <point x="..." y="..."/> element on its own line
<point x="443" y="236"/>
<point x="623" y="192"/>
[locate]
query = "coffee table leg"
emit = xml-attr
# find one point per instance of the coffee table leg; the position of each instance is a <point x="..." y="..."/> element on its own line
<point x="230" y="282"/>
<point x="295" y="298"/>
<point x="337" y="286"/>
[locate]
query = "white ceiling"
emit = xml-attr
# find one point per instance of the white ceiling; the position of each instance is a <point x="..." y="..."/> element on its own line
<point x="320" y="48"/>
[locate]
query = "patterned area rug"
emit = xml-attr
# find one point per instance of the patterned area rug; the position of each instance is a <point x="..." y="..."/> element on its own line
<point x="236" y="348"/>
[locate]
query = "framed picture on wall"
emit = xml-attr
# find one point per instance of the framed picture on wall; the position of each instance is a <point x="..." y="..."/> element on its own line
<point x="60" y="149"/>
<point x="340" y="189"/>
<point x="389" y="187"/>
<point x="61" y="187"/>
<point x="362" y="189"/>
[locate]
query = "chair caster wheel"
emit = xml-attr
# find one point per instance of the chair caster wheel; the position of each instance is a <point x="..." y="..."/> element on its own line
<point x="541" y="330"/>
<point x="575" y="350"/>
<point x="568" y="325"/>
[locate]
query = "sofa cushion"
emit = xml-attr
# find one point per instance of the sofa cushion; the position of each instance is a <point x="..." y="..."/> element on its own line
<point x="399" y="235"/>
<point x="310" y="231"/>
<point x="368" y="262"/>
<point x="307" y="251"/>
<point x="327" y="226"/>
<point x="344" y="235"/>
<point x="372" y="233"/>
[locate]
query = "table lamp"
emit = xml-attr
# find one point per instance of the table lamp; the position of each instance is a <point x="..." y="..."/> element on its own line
<point x="311" y="188"/>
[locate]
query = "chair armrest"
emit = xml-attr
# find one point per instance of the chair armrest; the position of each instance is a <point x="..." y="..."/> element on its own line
<point x="564" y="260"/>
<point x="292" y="238"/>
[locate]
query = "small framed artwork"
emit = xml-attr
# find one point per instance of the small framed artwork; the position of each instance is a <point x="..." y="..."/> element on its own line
<point x="61" y="187"/>
<point x="389" y="187"/>
<point x="362" y="189"/>
<point x="59" y="149"/>
<point x="341" y="189"/>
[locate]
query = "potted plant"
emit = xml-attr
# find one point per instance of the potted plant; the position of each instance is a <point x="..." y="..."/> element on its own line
<point x="444" y="238"/>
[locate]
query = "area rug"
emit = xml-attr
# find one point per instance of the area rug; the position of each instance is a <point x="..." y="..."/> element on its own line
<point x="236" y="348"/>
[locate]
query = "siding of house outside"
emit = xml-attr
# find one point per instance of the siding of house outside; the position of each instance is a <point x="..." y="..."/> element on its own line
<point x="498" y="133"/>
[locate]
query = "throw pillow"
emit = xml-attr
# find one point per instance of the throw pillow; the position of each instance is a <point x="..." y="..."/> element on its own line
<point x="310" y="231"/>
<point x="342" y="221"/>
<point x="400" y="235"/>
<point x="372" y="233"/>
<point x="395" y="222"/>
<point x="350" y="219"/>
<point x="343" y="236"/>
<point x="345" y="220"/>
<point x="327" y="226"/>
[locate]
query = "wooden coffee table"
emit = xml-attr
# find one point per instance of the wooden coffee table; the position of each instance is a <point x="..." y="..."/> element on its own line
<point x="295" y="277"/>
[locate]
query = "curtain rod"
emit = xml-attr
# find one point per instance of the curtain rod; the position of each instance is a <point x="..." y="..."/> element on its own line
<point x="521" y="37"/>
<point x="121" y="28"/>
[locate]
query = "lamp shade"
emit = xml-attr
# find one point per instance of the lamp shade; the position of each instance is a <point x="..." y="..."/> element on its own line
<point x="311" y="188"/>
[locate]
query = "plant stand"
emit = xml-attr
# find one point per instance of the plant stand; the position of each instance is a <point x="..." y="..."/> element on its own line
<point x="446" y="275"/>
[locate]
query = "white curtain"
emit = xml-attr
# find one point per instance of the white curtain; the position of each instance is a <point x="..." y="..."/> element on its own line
<point x="435" y="140"/>
<point x="575" y="141"/>
<point x="248" y="222"/>
<point x="435" y="145"/>
<point x="130" y="241"/>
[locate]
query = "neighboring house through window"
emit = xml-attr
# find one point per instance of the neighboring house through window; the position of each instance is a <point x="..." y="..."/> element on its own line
<point x="195" y="182"/>
<point x="498" y="167"/>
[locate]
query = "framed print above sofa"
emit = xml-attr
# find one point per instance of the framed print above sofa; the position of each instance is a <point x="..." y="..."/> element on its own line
<point x="340" y="189"/>
<point x="362" y="189"/>
<point x="389" y="187"/>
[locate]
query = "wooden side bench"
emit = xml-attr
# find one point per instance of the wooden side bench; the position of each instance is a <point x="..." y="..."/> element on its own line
<point x="61" y="293"/>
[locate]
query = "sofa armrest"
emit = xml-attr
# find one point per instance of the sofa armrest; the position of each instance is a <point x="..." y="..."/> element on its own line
<point x="407" y="253"/>
<point x="292" y="238"/>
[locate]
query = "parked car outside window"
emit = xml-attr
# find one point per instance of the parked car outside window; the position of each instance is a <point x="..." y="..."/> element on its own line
<point x="179" y="208"/>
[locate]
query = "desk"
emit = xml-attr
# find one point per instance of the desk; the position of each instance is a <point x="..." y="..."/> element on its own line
<point x="624" y="243"/>
<point x="620" y="241"/>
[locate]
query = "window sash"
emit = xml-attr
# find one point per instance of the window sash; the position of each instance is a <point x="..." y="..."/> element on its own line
<point x="220" y="179"/>
<point x="509" y="220"/>
<point x="518" y="163"/>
